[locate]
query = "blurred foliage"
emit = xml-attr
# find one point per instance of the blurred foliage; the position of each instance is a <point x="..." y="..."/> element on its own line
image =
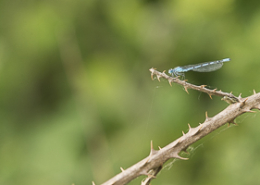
<point x="77" y="101"/>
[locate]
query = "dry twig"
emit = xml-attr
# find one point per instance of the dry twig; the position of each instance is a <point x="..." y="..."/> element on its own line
<point x="187" y="85"/>
<point x="151" y="165"/>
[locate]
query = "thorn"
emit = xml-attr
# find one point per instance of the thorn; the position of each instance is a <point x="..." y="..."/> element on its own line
<point x="243" y="103"/>
<point x="189" y="126"/>
<point x="193" y="131"/>
<point x="214" y="90"/>
<point x="186" y="89"/>
<point x="164" y="71"/>
<point x="206" y="115"/>
<point x="240" y="95"/>
<point x="185" y="80"/>
<point x="183" y="133"/>
<point x="159" y="147"/>
<point x="151" y="145"/>
<point x="152" y="72"/>
<point x="231" y="92"/>
<point x="175" y="155"/>
<point x="122" y="169"/>
<point x="220" y="90"/>
<point x="152" y="76"/>
<point x="170" y="82"/>
<point x="251" y="111"/>
<point x="200" y="127"/>
<point x="210" y="96"/>
<point x="152" y="152"/>
<point x="203" y="86"/>
<point x="254" y="91"/>
<point x="93" y="183"/>
<point x="158" y="77"/>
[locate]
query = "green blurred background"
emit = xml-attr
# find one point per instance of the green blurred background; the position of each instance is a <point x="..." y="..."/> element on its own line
<point x="77" y="101"/>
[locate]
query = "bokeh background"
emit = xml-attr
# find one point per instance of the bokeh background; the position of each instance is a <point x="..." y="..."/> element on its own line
<point x="77" y="101"/>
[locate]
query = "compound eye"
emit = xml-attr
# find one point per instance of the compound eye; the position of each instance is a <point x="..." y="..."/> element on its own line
<point x="170" y="71"/>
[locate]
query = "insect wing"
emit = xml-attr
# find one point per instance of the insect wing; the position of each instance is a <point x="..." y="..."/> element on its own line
<point x="207" y="68"/>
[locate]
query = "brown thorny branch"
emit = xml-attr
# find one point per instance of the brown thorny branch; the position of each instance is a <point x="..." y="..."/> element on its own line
<point x="151" y="165"/>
